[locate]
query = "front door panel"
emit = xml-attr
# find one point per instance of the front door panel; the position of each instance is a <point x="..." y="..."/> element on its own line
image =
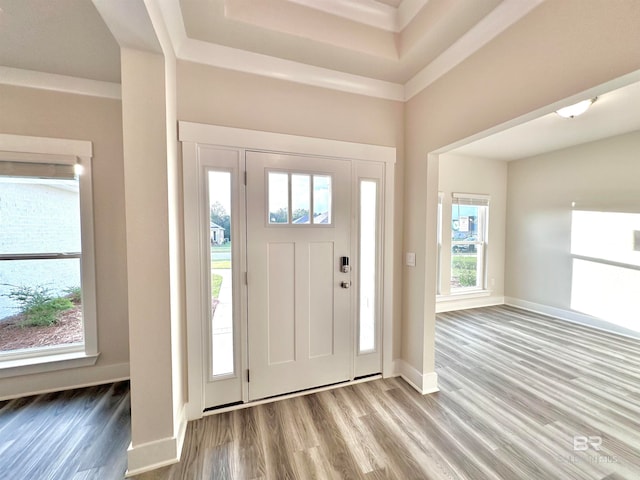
<point x="299" y="300"/>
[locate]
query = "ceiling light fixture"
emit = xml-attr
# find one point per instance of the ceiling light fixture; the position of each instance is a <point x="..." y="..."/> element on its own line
<point x="577" y="109"/>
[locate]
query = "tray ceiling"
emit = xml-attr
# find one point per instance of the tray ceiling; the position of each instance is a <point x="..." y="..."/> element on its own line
<point x="293" y="30"/>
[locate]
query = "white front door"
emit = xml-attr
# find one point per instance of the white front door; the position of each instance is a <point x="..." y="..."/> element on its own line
<point x="300" y="321"/>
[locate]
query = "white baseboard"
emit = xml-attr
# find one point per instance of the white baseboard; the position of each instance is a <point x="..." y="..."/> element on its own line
<point x="422" y="382"/>
<point x="149" y="456"/>
<point x="463" y="303"/>
<point x="571" y="316"/>
<point x="159" y="453"/>
<point x="36" y="384"/>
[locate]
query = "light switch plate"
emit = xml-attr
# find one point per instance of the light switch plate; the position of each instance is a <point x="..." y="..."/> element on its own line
<point x="410" y="259"/>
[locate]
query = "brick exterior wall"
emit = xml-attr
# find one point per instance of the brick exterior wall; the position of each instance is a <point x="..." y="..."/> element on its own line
<point x="38" y="218"/>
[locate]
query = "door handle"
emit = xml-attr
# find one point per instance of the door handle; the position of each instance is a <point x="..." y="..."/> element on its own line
<point x="345" y="284"/>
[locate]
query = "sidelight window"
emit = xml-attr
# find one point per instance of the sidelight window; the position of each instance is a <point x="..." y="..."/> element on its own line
<point x="368" y="264"/>
<point x="219" y="188"/>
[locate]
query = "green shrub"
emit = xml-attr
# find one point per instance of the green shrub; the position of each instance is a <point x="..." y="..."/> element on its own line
<point x="38" y="305"/>
<point x="464" y="268"/>
<point x="74" y="294"/>
<point x="468" y="278"/>
<point x="46" y="313"/>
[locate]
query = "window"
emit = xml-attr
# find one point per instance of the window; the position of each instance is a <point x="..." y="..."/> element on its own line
<point x="368" y="264"/>
<point x="299" y="199"/>
<point x="219" y="186"/>
<point x="47" y="298"/>
<point x="468" y="241"/>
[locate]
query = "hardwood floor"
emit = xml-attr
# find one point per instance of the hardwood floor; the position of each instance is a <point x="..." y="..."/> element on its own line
<point x="73" y="435"/>
<point x="522" y="396"/>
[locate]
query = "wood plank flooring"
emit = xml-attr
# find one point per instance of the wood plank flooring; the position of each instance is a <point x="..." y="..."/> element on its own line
<point x="516" y="388"/>
<point x="72" y="435"/>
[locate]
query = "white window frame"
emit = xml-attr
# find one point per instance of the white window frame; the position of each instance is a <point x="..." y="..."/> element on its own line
<point x="28" y="149"/>
<point x="439" y="245"/>
<point x="480" y="244"/>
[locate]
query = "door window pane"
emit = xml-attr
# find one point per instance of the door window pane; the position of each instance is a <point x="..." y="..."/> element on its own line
<point x="278" y="197"/>
<point x="222" y="341"/>
<point x="321" y="199"/>
<point x="368" y="274"/>
<point x="300" y="199"/>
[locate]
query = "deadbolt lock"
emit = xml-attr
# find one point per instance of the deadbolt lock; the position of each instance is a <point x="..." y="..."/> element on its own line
<point x="344" y="265"/>
<point x="345" y="284"/>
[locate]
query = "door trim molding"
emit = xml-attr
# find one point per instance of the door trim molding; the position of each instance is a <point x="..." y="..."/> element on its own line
<point x="192" y="135"/>
<point x="282" y="143"/>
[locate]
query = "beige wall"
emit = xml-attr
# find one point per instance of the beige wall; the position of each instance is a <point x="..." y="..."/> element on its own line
<point x="600" y="176"/>
<point x="458" y="174"/>
<point x="223" y="97"/>
<point x="536" y="62"/>
<point x="34" y="112"/>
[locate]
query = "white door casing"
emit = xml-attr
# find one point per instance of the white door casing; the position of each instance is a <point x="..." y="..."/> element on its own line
<point x="198" y="138"/>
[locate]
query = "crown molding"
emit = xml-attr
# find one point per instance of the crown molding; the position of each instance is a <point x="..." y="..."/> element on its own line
<point x="59" y="83"/>
<point x="372" y="13"/>
<point x="369" y="12"/>
<point x="249" y="62"/>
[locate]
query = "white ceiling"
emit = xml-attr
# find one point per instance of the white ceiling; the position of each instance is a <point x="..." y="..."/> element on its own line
<point x="63" y="37"/>
<point x="614" y="113"/>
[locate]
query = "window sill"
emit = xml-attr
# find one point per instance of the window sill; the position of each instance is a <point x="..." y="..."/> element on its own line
<point x="46" y="363"/>
<point x="463" y="295"/>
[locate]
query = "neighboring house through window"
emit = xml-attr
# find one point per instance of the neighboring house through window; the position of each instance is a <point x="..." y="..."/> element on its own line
<point x="217" y="234"/>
